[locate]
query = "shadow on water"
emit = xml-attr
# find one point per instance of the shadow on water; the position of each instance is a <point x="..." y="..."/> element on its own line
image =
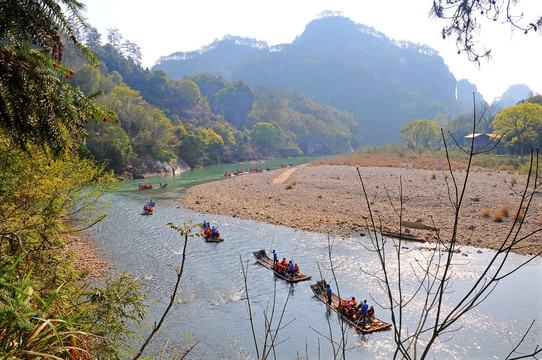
<point x="211" y="301"/>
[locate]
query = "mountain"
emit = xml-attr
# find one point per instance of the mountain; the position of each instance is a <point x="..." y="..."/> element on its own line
<point x="513" y="95"/>
<point x="337" y="62"/>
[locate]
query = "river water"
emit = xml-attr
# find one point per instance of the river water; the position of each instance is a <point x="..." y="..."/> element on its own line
<point x="212" y="306"/>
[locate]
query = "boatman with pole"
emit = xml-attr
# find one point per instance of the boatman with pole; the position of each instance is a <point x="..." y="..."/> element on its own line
<point x="329" y="294"/>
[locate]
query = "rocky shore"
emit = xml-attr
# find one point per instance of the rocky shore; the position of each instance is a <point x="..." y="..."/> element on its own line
<point x="86" y="256"/>
<point x="329" y="199"/>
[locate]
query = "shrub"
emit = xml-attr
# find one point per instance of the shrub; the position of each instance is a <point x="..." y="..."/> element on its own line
<point x="498" y="217"/>
<point x="291" y="185"/>
<point x="519" y="213"/>
<point x="433" y="176"/>
<point x="504" y="211"/>
<point x="485" y="212"/>
<point x="513" y="181"/>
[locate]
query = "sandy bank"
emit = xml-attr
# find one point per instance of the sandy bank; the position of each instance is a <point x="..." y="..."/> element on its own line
<point x="328" y="199"/>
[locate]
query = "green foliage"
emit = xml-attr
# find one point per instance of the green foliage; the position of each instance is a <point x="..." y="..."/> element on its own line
<point x="115" y="309"/>
<point x="264" y="134"/>
<point x="520" y="125"/>
<point x="37" y="103"/>
<point x="235" y="101"/>
<point x="199" y="146"/>
<point x="304" y="126"/>
<point x="187" y="91"/>
<point x="420" y="134"/>
<point x="30" y="327"/>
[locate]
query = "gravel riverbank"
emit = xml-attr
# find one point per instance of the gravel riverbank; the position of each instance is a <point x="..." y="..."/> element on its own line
<point x="329" y="199"/>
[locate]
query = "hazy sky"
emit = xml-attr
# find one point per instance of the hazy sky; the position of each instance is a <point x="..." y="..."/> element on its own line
<point x="162" y="27"/>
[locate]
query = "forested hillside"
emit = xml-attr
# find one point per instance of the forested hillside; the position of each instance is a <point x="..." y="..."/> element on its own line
<point x="342" y="64"/>
<point x="200" y="119"/>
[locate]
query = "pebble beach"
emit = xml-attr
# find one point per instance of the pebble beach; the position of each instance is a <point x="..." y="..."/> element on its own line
<point x="330" y="199"/>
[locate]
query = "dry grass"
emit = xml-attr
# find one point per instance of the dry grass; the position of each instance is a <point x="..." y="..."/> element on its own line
<point x="485" y="212"/>
<point x="402" y="158"/>
<point x="498" y="217"/>
<point x="513" y="181"/>
<point x="519" y="213"/>
<point x="504" y="211"/>
<point x="291" y="185"/>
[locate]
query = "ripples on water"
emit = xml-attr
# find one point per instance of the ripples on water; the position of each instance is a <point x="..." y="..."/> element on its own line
<point x="211" y="299"/>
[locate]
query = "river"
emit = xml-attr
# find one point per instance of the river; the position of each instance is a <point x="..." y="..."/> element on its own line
<point x="212" y="306"/>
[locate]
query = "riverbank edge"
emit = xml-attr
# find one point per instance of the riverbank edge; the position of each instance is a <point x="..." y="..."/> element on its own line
<point x="87" y="256"/>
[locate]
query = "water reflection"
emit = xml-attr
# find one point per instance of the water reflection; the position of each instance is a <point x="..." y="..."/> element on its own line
<point x="212" y="305"/>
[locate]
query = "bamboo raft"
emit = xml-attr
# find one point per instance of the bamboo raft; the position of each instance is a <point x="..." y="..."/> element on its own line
<point x="402" y="236"/>
<point x="267" y="262"/>
<point x="210" y="238"/>
<point x="373" y="323"/>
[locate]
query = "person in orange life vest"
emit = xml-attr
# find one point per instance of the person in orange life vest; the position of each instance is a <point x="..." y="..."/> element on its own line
<point x="207" y="232"/>
<point x="371" y="311"/>
<point x="345" y="305"/>
<point x="352" y="302"/>
<point x="296" y="268"/>
<point x="284" y="262"/>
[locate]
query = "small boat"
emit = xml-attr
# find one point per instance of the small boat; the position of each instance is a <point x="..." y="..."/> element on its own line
<point x="145" y="186"/>
<point x="267" y="262"/>
<point x="402" y="236"/>
<point x="210" y="237"/>
<point x="149" y="208"/>
<point x="373" y="324"/>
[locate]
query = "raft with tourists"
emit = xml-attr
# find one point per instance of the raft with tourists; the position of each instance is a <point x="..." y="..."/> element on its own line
<point x="282" y="270"/>
<point x="210" y="233"/>
<point x="373" y="324"/>
<point x="149" y="208"/>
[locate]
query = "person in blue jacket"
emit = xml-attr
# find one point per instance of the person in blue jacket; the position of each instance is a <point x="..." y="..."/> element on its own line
<point x="329" y="294"/>
<point x="364" y="309"/>
<point x="275" y="257"/>
<point x="291" y="268"/>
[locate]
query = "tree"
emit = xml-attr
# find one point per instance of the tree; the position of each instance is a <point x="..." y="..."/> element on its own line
<point x="264" y="134"/>
<point x="465" y="21"/>
<point x="132" y="51"/>
<point x="114" y="38"/>
<point x="236" y="102"/>
<point x="420" y="134"/>
<point x="37" y="103"/>
<point x="520" y="124"/>
<point x="460" y="126"/>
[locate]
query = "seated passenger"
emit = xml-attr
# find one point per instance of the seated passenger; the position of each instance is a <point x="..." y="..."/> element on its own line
<point x="291" y="268"/>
